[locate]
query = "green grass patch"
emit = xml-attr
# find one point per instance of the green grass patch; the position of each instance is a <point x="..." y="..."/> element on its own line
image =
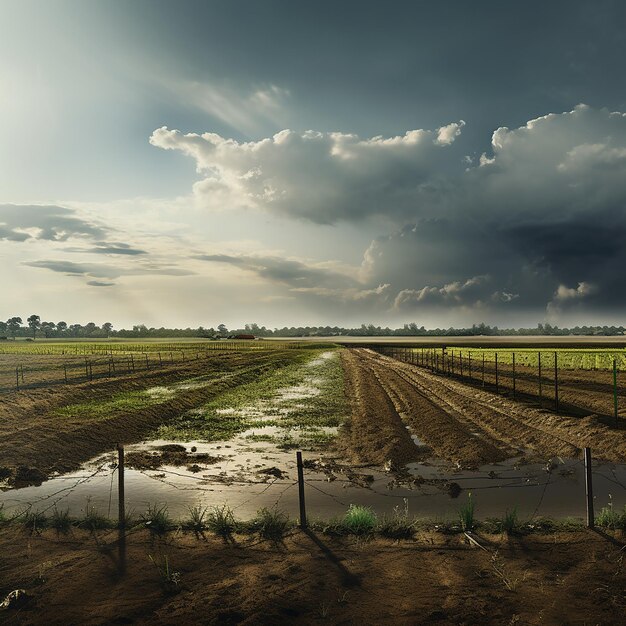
<point x="300" y="393"/>
<point x="120" y="402"/>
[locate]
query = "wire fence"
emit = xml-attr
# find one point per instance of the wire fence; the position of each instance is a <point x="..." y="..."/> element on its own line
<point x="100" y="492"/>
<point x="31" y="370"/>
<point x="544" y="377"/>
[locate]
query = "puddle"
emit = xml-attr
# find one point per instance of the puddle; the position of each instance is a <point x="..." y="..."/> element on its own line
<point x="249" y="475"/>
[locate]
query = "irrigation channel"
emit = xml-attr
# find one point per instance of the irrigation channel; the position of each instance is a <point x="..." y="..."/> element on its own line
<point x="257" y="468"/>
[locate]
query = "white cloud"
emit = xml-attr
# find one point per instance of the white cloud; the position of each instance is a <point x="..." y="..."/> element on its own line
<point x="447" y="134"/>
<point x="321" y="177"/>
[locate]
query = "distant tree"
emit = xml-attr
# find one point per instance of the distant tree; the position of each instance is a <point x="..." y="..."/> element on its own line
<point x="107" y="327"/>
<point x="61" y="327"/>
<point x="14" y="324"/>
<point x="3" y="327"/>
<point x="222" y="329"/>
<point x="47" y="327"/>
<point x="34" y="323"/>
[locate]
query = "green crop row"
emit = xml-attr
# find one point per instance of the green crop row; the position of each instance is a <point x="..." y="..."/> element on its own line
<point x="99" y="348"/>
<point x="566" y="358"/>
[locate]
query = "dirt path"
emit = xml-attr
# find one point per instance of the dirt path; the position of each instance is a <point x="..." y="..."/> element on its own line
<point x="470" y="426"/>
<point x="310" y="578"/>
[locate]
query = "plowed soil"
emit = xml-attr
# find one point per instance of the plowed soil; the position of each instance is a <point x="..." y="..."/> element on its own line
<point x="574" y="578"/>
<point x="463" y="424"/>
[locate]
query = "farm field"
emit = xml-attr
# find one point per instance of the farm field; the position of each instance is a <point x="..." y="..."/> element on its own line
<point x="218" y="432"/>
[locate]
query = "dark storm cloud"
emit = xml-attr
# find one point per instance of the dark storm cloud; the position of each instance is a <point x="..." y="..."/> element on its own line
<point x="295" y="274"/>
<point x="20" y="222"/>
<point x="99" y="283"/>
<point x="536" y="216"/>
<point x="102" y="270"/>
<point x="110" y="248"/>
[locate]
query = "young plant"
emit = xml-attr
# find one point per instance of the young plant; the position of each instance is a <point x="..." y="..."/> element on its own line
<point x="510" y="522"/>
<point x="157" y="519"/>
<point x="61" y="520"/>
<point x="34" y="521"/>
<point x="271" y="523"/>
<point x="466" y="514"/>
<point x="359" y="520"/>
<point x="609" y="518"/>
<point x="197" y="520"/>
<point x="169" y="578"/>
<point x="93" y="520"/>
<point x="397" y="525"/>
<point x="221" y="521"/>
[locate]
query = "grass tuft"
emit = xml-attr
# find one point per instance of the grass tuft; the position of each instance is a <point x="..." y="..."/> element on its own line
<point x="60" y="520"/>
<point x="157" y="519"/>
<point x="271" y="523"/>
<point x="397" y="525"/>
<point x="359" y="520"/>
<point x="197" y="520"/>
<point x="466" y="514"/>
<point x="34" y="521"/>
<point x="609" y="518"/>
<point x="221" y="521"/>
<point x="93" y="520"/>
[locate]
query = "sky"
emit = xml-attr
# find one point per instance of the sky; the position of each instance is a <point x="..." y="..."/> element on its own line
<point x="313" y="163"/>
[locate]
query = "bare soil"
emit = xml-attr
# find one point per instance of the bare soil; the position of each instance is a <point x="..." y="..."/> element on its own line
<point x="464" y="424"/>
<point x="566" y="578"/>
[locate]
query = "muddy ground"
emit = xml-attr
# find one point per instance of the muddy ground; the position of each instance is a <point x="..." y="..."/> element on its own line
<point x="311" y="578"/>
<point x="581" y="392"/>
<point x="33" y="435"/>
<point x="465" y="425"/>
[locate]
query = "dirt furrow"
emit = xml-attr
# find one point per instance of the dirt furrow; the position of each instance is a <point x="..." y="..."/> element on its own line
<point x="512" y="422"/>
<point x="440" y="427"/>
<point x="375" y="433"/>
<point x="503" y="425"/>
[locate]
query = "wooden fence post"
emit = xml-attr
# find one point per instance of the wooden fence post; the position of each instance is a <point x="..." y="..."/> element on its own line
<point x="469" y="364"/>
<point x="513" y="375"/>
<point x="483" y="369"/>
<point x="540" y="390"/>
<point x="615" y="393"/>
<point x="121" y="509"/>
<point x="17" y="379"/>
<point x="65" y="371"/>
<point x="556" y="384"/>
<point x="497" y="385"/>
<point x="589" y="489"/>
<point x="303" y="523"/>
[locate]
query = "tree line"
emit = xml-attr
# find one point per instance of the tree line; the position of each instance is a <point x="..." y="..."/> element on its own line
<point x="33" y="327"/>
